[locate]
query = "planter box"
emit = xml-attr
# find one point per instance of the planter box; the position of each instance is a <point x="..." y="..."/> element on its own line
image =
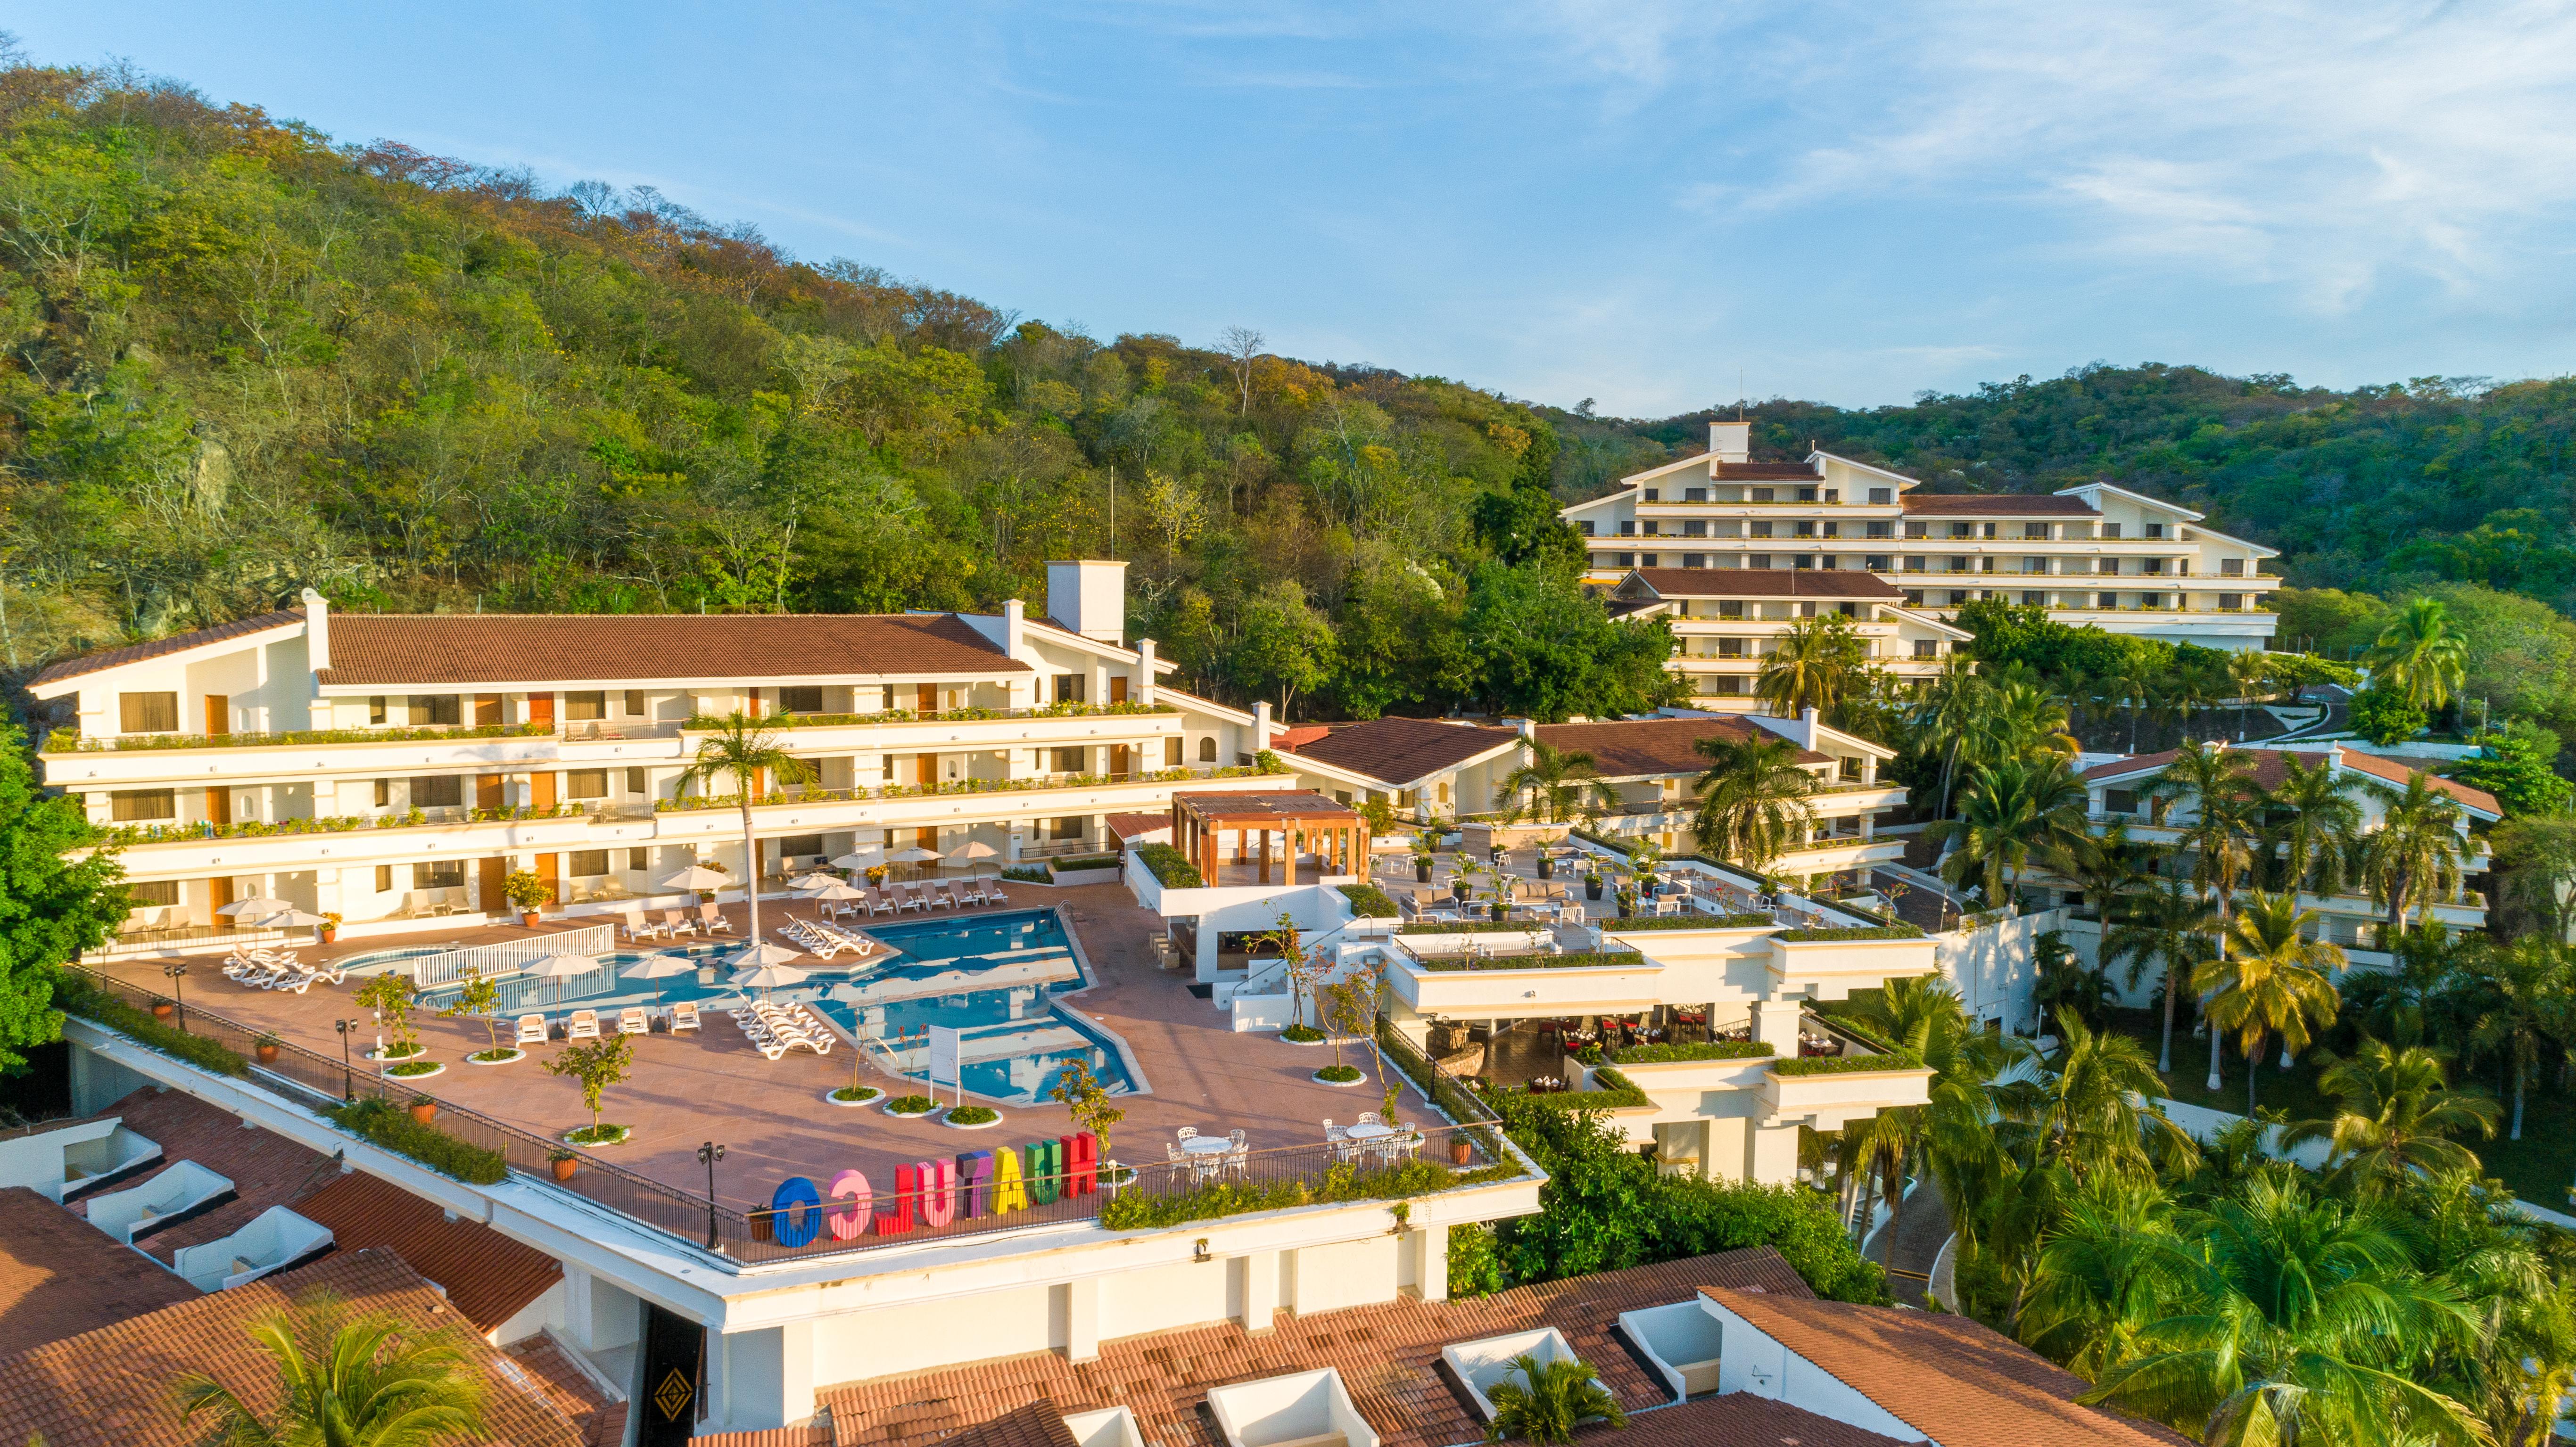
<point x="1486" y="1363"/>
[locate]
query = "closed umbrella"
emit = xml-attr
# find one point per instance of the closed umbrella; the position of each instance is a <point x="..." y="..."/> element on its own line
<point x="698" y="876"/>
<point x="658" y="968"/>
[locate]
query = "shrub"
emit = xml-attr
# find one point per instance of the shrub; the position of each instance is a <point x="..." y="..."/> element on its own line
<point x="80" y="998"/>
<point x="1475" y="1265"/>
<point x="1471" y="927"/>
<point x="857" y="1093"/>
<point x="1170" y="867"/>
<point x="1087" y="861"/>
<point x="1665" y="1054"/>
<point x="911" y="1105"/>
<point x="1368" y="901"/>
<point x="1845" y="1064"/>
<point x="973" y="1115"/>
<point x="1689" y="921"/>
<point x="1133" y="1210"/>
<point x="1027" y="873"/>
<point x="1853" y="932"/>
<point x="1582" y="961"/>
<point x="410" y="1068"/>
<point x="2382" y="715"/>
<point x="1338" y="1073"/>
<point x="379" y="1121"/>
<point x="1302" y="1034"/>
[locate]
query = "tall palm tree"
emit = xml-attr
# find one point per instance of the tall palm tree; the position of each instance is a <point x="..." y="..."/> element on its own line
<point x="2024" y="719"/>
<point x="742" y="749"/>
<point x="2527" y="985"/>
<point x="2218" y="783"/>
<point x="1952" y="1130"/>
<point x="2248" y="671"/>
<point x="346" y="1381"/>
<point x="2280" y="1333"/>
<point x="2421" y="652"/>
<point x="1755" y="799"/>
<point x="2395" y="1111"/>
<point x="1817" y="663"/>
<point x="2273" y="980"/>
<point x="1555" y="784"/>
<point x="2109" y="868"/>
<point x="2137" y="686"/>
<point x="2414" y="856"/>
<point x="2537" y="856"/>
<point x="1953" y="707"/>
<point x="2105" y="1275"/>
<point x="2313" y="823"/>
<point x="2089" y="1114"/>
<point x="2011" y="812"/>
<point x="2167" y="929"/>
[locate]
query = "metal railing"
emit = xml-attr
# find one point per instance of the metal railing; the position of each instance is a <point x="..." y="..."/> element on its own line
<point x="182" y="937"/>
<point x="314" y="1080"/>
<point x="511" y="956"/>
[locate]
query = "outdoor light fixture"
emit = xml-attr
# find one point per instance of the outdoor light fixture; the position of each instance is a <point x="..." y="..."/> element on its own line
<point x="1199" y="1250"/>
<point x="178" y="972"/>
<point x="709" y="1154"/>
<point x="348" y="1091"/>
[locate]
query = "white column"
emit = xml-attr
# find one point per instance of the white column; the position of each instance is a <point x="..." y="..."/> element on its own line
<point x="1077" y="1303"/>
<point x="1258" y="1289"/>
<point x="1430" y="1246"/>
<point x="1775" y="1023"/>
<point x="1144" y="690"/>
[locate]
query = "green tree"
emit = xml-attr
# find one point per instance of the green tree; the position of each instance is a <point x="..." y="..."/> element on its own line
<point x="2520" y="767"/>
<point x="1816" y="663"/>
<point x="1286" y="645"/>
<point x="2271" y="980"/>
<point x="2421" y="653"/>
<point x="743" y="750"/>
<point x="595" y="1066"/>
<point x="2414" y="856"/>
<point x="2012" y="812"/>
<point x="481" y="998"/>
<point x="1521" y="525"/>
<point x="2528" y="988"/>
<point x="1547" y="650"/>
<point x="1554" y="784"/>
<point x="1548" y="1401"/>
<point x="64" y="896"/>
<point x="2218" y="785"/>
<point x="345" y="1380"/>
<point x="2105" y="1277"/>
<point x="2167" y="929"/>
<point x="1755" y="799"/>
<point x="2311" y="826"/>
<point x="2383" y="715"/>
<point x="2395" y="1112"/>
<point x="2536" y="854"/>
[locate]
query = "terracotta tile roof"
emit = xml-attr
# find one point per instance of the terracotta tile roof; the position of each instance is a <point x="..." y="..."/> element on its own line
<point x="1738" y="1419"/>
<point x="488" y="1276"/>
<point x="111" y="1387"/>
<point x="1397" y="751"/>
<point x="497" y="648"/>
<point x="1628" y="747"/>
<point x="1995" y="504"/>
<point x="1388" y="1356"/>
<point x="1303" y="804"/>
<point x="266" y="1169"/>
<point x="1767" y="583"/>
<point x="1958" y="1383"/>
<point x="2268" y="772"/>
<point x="61" y="1276"/>
<point x="158" y="647"/>
<point x="1038" y="1424"/>
<point x="1766" y="472"/>
<point x="1137" y="826"/>
<point x="571" y="1389"/>
<point x="816" y="1436"/>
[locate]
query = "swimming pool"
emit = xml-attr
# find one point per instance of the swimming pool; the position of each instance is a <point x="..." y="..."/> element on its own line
<point x="374" y="960"/>
<point x="994" y="977"/>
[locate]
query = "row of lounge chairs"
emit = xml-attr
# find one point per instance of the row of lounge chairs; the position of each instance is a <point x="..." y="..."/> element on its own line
<point x="826" y="939"/>
<point x="279" y="970"/>
<point x="676" y="923"/>
<point x="586" y="1025"/>
<point x="776" y="1029"/>
<point x="906" y="898"/>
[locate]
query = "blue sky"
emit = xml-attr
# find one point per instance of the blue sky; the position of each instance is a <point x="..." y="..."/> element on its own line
<point x="1624" y="200"/>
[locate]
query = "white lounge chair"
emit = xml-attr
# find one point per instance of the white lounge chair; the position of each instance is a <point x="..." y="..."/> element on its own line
<point x="532" y="1030"/>
<point x="712" y="920"/>
<point x="633" y="1021"/>
<point x="639" y="928"/>
<point x="583" y="1025"/>
<point x="684" y="1016"/>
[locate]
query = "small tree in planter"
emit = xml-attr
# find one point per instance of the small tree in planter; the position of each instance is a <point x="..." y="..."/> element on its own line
<point x="1350" y="1004"/>
<point x="597" y="1065"/>
<point x="526" y="894"/>
<point x="1424" y="852"/>
<point x="390" y="995"/>
<point x="479" y="996"/>
<point x="1295" y="963"/>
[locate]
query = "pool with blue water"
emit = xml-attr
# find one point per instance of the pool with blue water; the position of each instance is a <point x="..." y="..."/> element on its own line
<point x="993" y="977"/>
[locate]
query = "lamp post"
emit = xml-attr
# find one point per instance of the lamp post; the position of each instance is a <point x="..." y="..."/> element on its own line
<point x="348" y="1091"/>
<point x="176" y="973"/>
<point x="709" y="1154"/>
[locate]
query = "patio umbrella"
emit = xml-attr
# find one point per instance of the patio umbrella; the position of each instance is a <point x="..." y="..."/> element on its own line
<point x="813" y="881"/>
<point x="295" y="919"/>
<point x="658" y="968"/>
<point x="766" y="976"/>
<point x="761" y="955"/>
<point x="914" y="855"/>
<point x="971" y="851"/>
<point x="868" y="858"/>
<point x="837" y="890"/>
<point x="698" y="876"/>
<point x="256" y="907"/>
<point x="562" y="967"/>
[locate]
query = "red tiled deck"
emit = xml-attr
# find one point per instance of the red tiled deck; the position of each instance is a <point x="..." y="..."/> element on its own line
<point x="771" y="1116"/>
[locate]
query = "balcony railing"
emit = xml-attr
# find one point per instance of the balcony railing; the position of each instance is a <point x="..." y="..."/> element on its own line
<point x="705" y="722"/>
<point x="71" y="741"/>
<point x="312" y="1080"/>
<point x="961" y="786"/>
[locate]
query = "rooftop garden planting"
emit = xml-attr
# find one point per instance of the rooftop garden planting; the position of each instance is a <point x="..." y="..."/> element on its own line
<point x="70" y="741"/>
<point x="1847" y="1064"/>
<point x="1170" y="867"/>
<point x="958" y="786"/>
<point x="1851" y="932"/>
<point x="1586" y="960"/>
<point x="1368" y="901"/>
<point x="1675" y="1054"/>
<point x="1688" y="921"/>
<point x="954" y="715"/>
<point x="1139" y="1210"/>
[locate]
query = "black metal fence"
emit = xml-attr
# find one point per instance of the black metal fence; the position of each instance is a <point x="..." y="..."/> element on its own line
<point x="311" y="1078"/>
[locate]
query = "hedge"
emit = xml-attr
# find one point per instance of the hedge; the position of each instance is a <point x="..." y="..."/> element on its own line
<point x="1852" y="932"/>
<point x="1688" y="921"/>
<point x="1085" y="861"/>
<point x="392" y="1127"/>
<point x="81" y="999"/>
<point x="1369" y="901"/>
<point x="1169" y="866"/>
<point x="1539" y="962"/>
<point x="1135" y="1210"/>
<point x="1611" y="1091"/>
<point x="1668" y="1054"/>
<point x="1845" y="1064"/>
<point x="1472" y="927"/>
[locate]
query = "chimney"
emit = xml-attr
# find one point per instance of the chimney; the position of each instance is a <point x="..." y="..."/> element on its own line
<point x="317" y="631"/>
<point x="1730" y="441"/>
<point x="1807" y="717"/>
<point x="1528" y="727"/>
<point x="1014" y="614"/>
<point x="1089" y="596"/>
<point x="1260" y="725"/>
<point x="1144" y="690"/>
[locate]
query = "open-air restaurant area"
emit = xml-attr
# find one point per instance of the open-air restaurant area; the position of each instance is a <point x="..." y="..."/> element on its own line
<point x="1571" y="884"/>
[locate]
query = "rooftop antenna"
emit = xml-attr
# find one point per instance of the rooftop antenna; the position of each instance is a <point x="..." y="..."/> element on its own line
<point x="1739" y="394"/>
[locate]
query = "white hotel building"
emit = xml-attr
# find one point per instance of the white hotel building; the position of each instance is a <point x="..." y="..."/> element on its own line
<point x="2094" y="554"/>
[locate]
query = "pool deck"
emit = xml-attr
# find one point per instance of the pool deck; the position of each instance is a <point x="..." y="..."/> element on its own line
<point x="771" y="1116"/>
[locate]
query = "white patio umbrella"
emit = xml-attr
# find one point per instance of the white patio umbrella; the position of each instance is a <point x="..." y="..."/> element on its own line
<point x="292" y="919"/>
<point x="914" y="855"/>
<point x="868" y="858"/>
<point x="255" y="907"/>
<point x="761" y="955"/>
<point x="838" y="890"/>
<point x="658" y="968"/>
<point x="563" y="966"/>
<point x="813" y="881"/>
<point x="768" y="975"/>
<point x="698" y="876"/>
<point x="972" y="851"/>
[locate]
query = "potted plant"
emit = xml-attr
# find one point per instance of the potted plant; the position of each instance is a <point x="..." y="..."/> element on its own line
<point x="331" y="927"/>
<point x="1592" y="884"/>
<point x="1546" y="865"/>
<point x="266" y="1047"/>
<point x="564" y="1163"/>
<point x="160" y="1008"/>
<point x="1461" y="1150"/>
<point x="1627" y="901"/>
<point x="1422" y="858"/>
<point x="424" y="1108"/>
<point x="1499" y="910"/>
<point x="526" y="894"/>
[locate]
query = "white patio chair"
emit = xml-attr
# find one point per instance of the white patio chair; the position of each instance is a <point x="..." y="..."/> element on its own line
<point x="684" y="1016"/>
<point x="532" y="1030"/>
<point x="584" y="1025"/>
<point x="633" y="1021"/>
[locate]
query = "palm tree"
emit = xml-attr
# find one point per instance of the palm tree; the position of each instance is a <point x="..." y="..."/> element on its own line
<point x="2537" y="856"/>
<point x="2422" y="652"/>
<point x="2024" y="719"/>
<point x="2527" y="985"/>
<point x="2414" y="856"/>
<point x="2276" y="982"/>
<point x="2169" y="929"/>
<point x="1548" y="1401"/>
<point x="2109" y="867"/>
<point x="2395" y="1112"/>
<point x="2219" y="783"/>
<point x="2010" y="812"/>
<point x="2090" y="1113"/>
<point x="2247" y="671"/>
<point x="1754" y="799"/>
<point x="1953" y="707"/>
<point x="2280" y="1332"/>
<point x="1817" y="663"/>
<point x="1555" y="783"/>
<point x="346" y="1381"/>
<point x="2314" y="819"/>
<point x="743" y="749"/>
<point x="1923" y="1014"/>
<point x="2105" y="1275"/>
<point x="2137" y="685"/>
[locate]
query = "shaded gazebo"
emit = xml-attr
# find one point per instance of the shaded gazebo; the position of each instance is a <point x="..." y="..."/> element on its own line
<point x="1334" y="832"/>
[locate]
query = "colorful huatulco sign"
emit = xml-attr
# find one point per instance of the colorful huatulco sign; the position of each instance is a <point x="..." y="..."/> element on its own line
<point x="930" y="1194"/>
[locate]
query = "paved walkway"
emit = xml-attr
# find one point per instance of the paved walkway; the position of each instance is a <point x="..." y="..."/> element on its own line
<point x="1915" y="1245"/>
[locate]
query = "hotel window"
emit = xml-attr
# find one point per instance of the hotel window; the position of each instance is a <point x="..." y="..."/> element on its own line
<point x="1626" y="560"/>
<point x="1586" y="526"/>
<point x="1927" y="647"/>
<point x="1730" y="607"/>
<point x="449" y="874"/>
<point x="2106" y="600"/>
<point x="384" y="878"/>
<point x="1172" y="752"/>
<point x="2034" y="530"/>
<point x="805" y="699"/>
<point x="1882" y="529"/>
<point x="1068" y="827"/>
<point x="2153" y="567"/>
<point x="154" y="891"/>
<point x="1654" y="494"/>
<point x="1803" y="561"/>
<point x="580" y="863"/>
<point x="1761" y="494"/>
<point x="1959" y="564"/>
<point x="1806" y="494"/>
<point x="1877" y="562"/>
<point x="2155" y="532"/>
<point x="1918" y="530"/>
<point x="1694" y="494"/>
<point x="1695" y="528"/>
<point x="590" y="705"/>
<point x="384" y="793"/>
<point x="127" y="806"/>
<point x="1848" y="610"/>
<point x="1959" y="596"/>
<point x="437" y="791"/>
<point x="1758" y="561"/>
<point x="1649" y="560"/>
<point x="1065" y="761"/>
<point x="798" y="846"/>
<point x="639" y="859"/>
<point x="2119" y="801"/>
<point x="1627" y="527"/>
<point x="1726" y="685"/>
<point x="636" y="707"/>
<point x="2151" y="600"/>
<point x="1805" y="528"/>
<point x="1730" y="648"/>
<point x="1913" y="564"/>
<point x="1989" y="530"/>
<point x="1600" y="560"/>
<point x="585" y="783"/>
<point x="1694" y="560"/>
<point x="2231" y="567"/>
<point x="1963" y="530"/>
<point x="1913" y="597"/>
<point x="2110" y="530"/>
<point x="2035" y="599"/>
<point x="1207" y="749"/>
<point x="1881" y="496"/>
<point x="635" y="782"/>
<point x="2230" y="602"/>
<point x="1761" y="529"/>
<point x="1068" y="688"/>
<point x="376" y="709"/>
<point x="147" y="713"/>
<point x="1833" y="529"/>
<point x="436" y="708"/>
<point x="1988" y="565"/>
<point x="1653" y="527"/>
<point x="2034" y="565"/>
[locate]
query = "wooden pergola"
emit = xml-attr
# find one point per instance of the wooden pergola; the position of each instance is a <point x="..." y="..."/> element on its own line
<point x="1333" y="831"/>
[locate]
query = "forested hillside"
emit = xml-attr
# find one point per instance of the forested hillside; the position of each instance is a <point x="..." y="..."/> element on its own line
<point x="242" y="359"/>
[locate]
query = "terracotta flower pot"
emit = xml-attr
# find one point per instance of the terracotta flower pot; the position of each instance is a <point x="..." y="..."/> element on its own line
<point x="267" y="1054"/>
<point x="160" y="1009"/>
<point x="564" y="1168"/>
<point x="330" y="936"/>
<point x="424" y="1111"/>
<point x="527" y="919"/>
<point x="1461" y="1150"/>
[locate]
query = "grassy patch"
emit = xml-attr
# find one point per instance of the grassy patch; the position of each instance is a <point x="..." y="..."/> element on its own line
<point x="911" y="1105"/>
<point x="1845" y="1064"/>
<point x="1688" y="921"/>
<point x="1669" y="1054"/>
<point x="973" y="1115"/>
